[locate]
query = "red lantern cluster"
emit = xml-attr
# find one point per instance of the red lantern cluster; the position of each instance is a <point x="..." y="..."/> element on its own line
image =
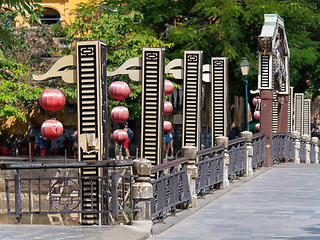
<point x="52" y="99"/>
<point x="119" y="90"/>
<point x="51" y="129"/>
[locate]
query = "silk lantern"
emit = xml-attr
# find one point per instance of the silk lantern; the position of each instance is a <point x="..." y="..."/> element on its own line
<point x="119" y="114"/>
<point x="167" y="107"/>
<point x="51" y="129"/>
<point x="52" y="99"/>
<point x="120" y="136"/>
<point x="119" y="90"/>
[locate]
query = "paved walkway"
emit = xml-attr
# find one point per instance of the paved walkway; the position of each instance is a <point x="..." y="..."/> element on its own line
<point x="282" y="203"/>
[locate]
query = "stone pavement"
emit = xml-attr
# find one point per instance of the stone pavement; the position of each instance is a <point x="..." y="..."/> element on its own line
<point x="282" y="203"/>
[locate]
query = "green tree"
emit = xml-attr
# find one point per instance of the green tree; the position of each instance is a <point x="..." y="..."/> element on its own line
<point x="230" y="28"/>
<point x="19" y="93"/>
<point x="124" y="38"/>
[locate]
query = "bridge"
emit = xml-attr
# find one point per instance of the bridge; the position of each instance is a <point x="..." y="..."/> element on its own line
<point x="150" y="190"/>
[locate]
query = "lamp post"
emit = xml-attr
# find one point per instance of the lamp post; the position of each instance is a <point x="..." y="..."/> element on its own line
<point x="245" y="66"/>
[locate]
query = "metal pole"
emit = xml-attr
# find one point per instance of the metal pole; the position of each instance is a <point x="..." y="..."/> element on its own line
<point x="246" y="90"/>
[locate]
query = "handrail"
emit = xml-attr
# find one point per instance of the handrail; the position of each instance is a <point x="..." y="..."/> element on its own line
<point x="74" y="164"/>
<point x="257" y="135"/>
<point x="166" y="165"/>
<point x="209" y="150"/>
<point x="237" y="140"/>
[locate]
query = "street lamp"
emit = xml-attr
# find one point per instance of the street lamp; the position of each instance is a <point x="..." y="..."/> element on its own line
<point x="245" y="66"/>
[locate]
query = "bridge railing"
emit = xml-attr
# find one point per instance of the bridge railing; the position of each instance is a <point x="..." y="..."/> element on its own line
<point x="291" y="142"/>
<point x="279" y="146"/>
<point x="312" y="152"/>
<point x="210" y="168"/>
<point x="283" y="145"/>
<point x="237" y="150"/>
<point x="170" y="188"/>
<point x="303" y="150"/>
<point x="258" y="144"/>
<point x="67" y="195"/>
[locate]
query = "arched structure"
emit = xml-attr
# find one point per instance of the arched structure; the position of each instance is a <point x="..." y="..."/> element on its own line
<point x="273" y="78"/>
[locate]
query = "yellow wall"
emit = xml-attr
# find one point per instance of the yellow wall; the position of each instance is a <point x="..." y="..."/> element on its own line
<point x="17" y="127"/>
<point x="64" y="9"/>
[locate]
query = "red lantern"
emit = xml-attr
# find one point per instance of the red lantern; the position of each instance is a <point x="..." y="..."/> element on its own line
<point x="167" y="126"/>
<point x="119" y="114"/>
<point x="254" y="101"/>
<point x="120" y="136"/>
<point x="51" y="129"/>
<point x="256" y="115"/>
<point x="119" y="90"/>
<point x="308" y="81"/>
<point x="257" y="127"/>
<point x="167" y="107"/>
<point x="168" y="87"/>
<point x="52" y="99"/>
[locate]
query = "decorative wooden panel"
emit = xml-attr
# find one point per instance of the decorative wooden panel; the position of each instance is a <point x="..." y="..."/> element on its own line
<point x="307" y="117"/>
<point x="192" y="80"/>
<point x="265" y="71"/>
<point x="91" y="70"/>
<point x="219" y="102"/>
<point x="152" y="104"/>
<point x="290" y="110"/>
<point x="298" y="112"/>
<point x="274" y="112"/>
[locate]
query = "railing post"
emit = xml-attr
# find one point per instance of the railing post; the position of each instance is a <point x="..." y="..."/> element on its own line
<point x="226" y="160"/>
<point x="190" y="152"/>
<point x="307" y="138"/>
<point x="17" y="193"/>
<point x="142" y="192"/>
<point x="296" y="147"/>
<point x="316" y="148"/>
<point x="248" y="135"/>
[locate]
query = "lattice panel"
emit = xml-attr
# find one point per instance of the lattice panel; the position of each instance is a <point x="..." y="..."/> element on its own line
<point x="191" y="129"/>
<point x="91" y="69"/>
<point x="307" y="117"/>
<point x="290" y="110"/>
<point x="87" y="71"/>
<point x="219" y="87"/>
<point x="275" y="112"/>
<point x="298" y="112"/>
<point x="265" y="69"/>
<point x="152" y="104"/>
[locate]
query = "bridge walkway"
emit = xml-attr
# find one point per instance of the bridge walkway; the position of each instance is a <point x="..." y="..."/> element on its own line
<point x="281" y="203"/>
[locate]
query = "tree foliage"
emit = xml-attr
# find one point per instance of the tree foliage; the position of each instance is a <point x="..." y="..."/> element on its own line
<point x="18" y="91"/>
<point x="124" y="38"/>
<point x="230" y="28"/>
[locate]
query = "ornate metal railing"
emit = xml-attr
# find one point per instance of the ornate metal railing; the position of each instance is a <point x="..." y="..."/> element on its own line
<point x="171" y="187"/>
<point x="279" y="140"/>
<point x="312" y="152"/>
<point x="51" y="195"/>
<point x="291" y="142"/>
<point x="210" y="168"/>
<point x="258" y="144"/>
<point x="303" y="151"/>
<point x="237" y="150"/>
